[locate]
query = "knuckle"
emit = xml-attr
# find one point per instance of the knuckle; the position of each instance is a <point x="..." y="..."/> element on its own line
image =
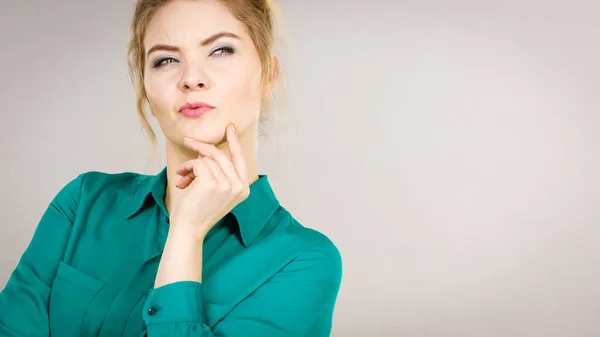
<point x="236" y="188"/>
<point x="226" y="186"/>
<point x="196" y="164"/>
<point x="211" y="184"/>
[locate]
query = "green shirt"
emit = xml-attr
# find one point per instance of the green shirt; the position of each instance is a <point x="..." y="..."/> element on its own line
<point x="90" y="267"/>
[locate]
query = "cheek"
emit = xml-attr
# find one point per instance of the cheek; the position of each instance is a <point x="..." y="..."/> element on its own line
<point x="246" y="87"/>
<point x="159" y="89"/>
<point x="256" y="84"/>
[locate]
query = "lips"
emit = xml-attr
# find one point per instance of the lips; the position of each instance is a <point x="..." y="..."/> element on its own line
<point x="195" y="109"/>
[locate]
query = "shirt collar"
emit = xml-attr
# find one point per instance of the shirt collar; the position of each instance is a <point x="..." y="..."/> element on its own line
<point x="251" y="214"/>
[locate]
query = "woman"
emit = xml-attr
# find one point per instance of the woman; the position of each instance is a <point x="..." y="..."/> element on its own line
<point x="203" y="248"/>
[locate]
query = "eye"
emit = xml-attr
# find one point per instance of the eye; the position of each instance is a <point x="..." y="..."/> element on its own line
<point x="223" y="51"/>
<point x="162" y="62"/>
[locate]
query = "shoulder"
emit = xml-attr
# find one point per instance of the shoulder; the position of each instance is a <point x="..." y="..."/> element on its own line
<point x="93" y="181"/>
<point x="92" y="184"/>
<point x="96" y="180"/>
<point x="317" y="251"/>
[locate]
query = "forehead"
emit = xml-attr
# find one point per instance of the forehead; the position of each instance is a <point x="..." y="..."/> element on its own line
<point x="190" y="21"/>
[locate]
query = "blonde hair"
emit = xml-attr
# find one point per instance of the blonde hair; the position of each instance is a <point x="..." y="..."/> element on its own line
<point x="260" y="18"/>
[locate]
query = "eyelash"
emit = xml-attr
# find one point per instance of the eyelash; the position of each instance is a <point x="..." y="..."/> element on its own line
<point x="224" y="51"/>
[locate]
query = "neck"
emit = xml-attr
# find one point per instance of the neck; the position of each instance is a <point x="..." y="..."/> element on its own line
<point x="178" y="154"/>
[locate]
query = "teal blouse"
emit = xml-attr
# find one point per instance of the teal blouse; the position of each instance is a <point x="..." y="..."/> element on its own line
<point x="90" y="267"/>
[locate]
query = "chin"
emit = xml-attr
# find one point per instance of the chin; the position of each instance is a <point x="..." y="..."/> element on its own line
<point x="208" y="133"/>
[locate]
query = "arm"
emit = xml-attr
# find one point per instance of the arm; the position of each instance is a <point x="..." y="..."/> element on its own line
<point x="288" y="305"/>
<point x="297" y="301"/>
<point x="24" y="300"/>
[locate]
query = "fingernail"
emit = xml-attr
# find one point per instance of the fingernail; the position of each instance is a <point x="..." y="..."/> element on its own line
<point x="232" y="127"/>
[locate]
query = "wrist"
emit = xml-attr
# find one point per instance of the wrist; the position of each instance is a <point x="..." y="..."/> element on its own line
<point x="181" y="257"/>
<point x="187" y="232"/>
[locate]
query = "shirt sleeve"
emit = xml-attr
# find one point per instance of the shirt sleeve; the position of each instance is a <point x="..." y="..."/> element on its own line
<point x="288" y="305"/>
<point x="24" y="300"/>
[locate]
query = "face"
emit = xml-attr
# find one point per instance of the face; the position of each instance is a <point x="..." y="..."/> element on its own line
<point x="198" y="52"/>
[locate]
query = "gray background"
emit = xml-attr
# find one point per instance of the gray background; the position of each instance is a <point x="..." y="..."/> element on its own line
<point x="447" y="147"/>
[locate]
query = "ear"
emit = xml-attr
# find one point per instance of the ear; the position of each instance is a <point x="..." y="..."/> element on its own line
<point x="273" y="78"/>
<point x="275" y="71"/>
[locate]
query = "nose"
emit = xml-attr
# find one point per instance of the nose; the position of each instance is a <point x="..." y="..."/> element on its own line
<point x="194" y="79"/>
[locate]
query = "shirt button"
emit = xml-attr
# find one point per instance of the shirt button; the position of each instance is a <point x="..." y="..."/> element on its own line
<point x="152" y="311"/>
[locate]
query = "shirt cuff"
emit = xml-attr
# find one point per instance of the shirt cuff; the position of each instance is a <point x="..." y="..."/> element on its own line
<point x="173" y="303"/>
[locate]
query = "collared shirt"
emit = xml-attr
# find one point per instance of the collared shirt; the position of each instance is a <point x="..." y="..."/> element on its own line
<point x="90" y="267"/>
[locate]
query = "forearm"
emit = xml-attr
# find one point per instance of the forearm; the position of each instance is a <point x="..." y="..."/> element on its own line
<point x="175" y="307"/>
<point x="289" y="303"/>
<point x="181" y="259"/>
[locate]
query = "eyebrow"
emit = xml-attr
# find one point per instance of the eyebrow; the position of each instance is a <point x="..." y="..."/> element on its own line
<point x="204" y="43"/>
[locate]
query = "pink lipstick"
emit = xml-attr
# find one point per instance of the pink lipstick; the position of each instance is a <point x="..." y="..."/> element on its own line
<point x="195" y="109"/>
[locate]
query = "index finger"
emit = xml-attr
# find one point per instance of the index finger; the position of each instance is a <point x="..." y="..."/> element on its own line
<point x="235" y="151"/>
<point x="210" y="150"/>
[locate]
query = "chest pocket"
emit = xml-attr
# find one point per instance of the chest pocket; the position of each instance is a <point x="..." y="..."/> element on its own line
<point x="72" y="292"/>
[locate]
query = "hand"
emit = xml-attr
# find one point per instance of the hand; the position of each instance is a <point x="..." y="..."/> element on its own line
<point x="214" y="184"/>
